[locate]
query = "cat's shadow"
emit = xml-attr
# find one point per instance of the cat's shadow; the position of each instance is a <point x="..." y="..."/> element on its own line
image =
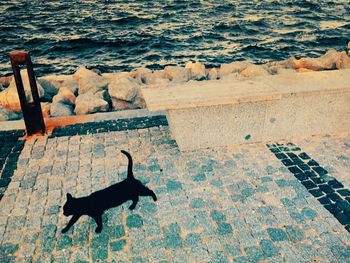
<point x="95" y="204"/>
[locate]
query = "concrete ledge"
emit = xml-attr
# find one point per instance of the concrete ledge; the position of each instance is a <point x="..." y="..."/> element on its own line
<point x="302" y="105"/>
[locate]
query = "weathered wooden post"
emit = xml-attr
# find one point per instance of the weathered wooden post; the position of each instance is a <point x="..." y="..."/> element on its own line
<point x="32" y="114"/>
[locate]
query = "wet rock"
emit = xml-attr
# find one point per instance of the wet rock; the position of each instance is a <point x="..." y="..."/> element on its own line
<point x="9" y="97"/>
<point x="197" y="70"/>
<point x="90" y="103"/>
<point x="343" y="62"/>
<point x="325" y="62"/>
<point x="59" y="109"/>
<point x="65" y="96"/>
<point x="123" y="88"/>
<point x="234" y="67"/>
<point x="213" y="74"/>
<point x="177" y="74"/>
<point x="254" y="71"/>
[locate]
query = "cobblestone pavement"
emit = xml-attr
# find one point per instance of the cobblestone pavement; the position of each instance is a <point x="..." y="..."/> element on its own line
<point x="228" y="204"/>
<point x="10" y="148"/>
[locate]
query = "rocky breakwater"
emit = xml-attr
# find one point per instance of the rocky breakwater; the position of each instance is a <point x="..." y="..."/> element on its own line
<point x="89" y="91"/>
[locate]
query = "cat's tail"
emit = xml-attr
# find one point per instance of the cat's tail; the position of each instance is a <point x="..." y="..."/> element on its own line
<point x="130" y="173"/>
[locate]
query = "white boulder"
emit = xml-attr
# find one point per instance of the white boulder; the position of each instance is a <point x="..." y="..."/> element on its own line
<point x="197" y="70"/>
<point x="89" y="81"/>
<point x="213" y="74"/>
<point x="234" y="67"/>
<point x="45" y="108"/>
<point x="9" y="97"/>
<point x="141" y="75"/>
<point x="121" y="104"/>
<point x="82" y="72"/>
<point x="5" y="82"/>
<point x="139" y="102"/>
<point x="157" y="77"/>
<point x="90" y="103"/>
<point x="58" y="81"/>
<point x="59" y="109"/>
<point x="254" y="71"/>
<point x="326" y="61"/>
<point x="7" y="115"/>
<point x="112" y="75"/>
<point x="65" y="96"/>
<point x="177" y="74"/>
<point x="343" y="61"/>
<point x="50" y="89"/>
<point x="92" y="84"/>
<point x="123" y="88"/>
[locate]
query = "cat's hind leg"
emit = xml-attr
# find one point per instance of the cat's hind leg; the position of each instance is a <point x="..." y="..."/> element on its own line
<point x="71" y="222"/>
<point x="98" y="220"/>
<point x="134" y="203"/>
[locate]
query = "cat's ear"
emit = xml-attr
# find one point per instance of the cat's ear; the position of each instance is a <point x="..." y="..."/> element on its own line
<point x="69" y="196"/>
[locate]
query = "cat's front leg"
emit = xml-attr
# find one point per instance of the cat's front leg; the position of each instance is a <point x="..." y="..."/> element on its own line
<point x="149" y="192"/>
<point x="98" y="220"/>
<point x="134" y="202"/>
<point x="153" y="196"/>
<point x="70" y="223"/>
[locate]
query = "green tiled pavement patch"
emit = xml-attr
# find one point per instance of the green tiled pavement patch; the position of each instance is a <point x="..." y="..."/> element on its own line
<point x="277" y="234"/>
<point x="217" y="216"/>
<point x="8" y="249"/>
<point x="117" y="245"/>
<point x="116" y="231"/>
<point x="269" y="248"/>
<point x="224" y="228"/>
<point x="134" y="221"/>
<point x="173" y="185"/>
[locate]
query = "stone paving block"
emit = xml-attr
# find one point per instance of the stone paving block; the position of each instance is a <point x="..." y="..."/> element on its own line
<point x="277" y="234"/>
<point x="295" y="233"/>
<point x="117" y="245"/>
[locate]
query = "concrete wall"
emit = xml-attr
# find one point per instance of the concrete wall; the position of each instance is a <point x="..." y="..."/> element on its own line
<point x="291" y="116"/>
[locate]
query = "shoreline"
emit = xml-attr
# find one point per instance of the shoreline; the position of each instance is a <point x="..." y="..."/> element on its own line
<point x="90" y="91"/>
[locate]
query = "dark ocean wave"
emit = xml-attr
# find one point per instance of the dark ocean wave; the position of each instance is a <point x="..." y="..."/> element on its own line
<point x="126" y="34"/>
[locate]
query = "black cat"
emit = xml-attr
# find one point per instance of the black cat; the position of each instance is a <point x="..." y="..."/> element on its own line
<point x="95" y="204"/>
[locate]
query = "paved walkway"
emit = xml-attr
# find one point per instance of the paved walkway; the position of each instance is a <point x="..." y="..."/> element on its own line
<point x="237" y="204"/>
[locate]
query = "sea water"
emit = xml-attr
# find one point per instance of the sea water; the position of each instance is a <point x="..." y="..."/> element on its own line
<point x="114" y="35"/>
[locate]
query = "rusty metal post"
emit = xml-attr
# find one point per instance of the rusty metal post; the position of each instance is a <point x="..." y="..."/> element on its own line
<point x="32" y="114"/>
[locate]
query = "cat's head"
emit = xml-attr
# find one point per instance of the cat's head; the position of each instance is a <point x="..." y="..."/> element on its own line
<point x="68" y="207"/>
